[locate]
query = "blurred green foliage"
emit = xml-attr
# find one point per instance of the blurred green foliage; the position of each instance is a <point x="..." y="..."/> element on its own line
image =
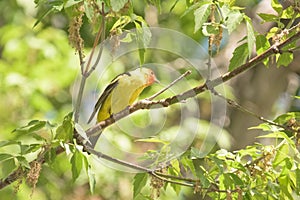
<point x="38" y="68"/>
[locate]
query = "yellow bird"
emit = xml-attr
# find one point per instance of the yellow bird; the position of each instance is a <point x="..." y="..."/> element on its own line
<point x="122" y="92"/>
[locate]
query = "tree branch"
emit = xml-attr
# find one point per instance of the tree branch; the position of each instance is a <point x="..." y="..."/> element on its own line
<point x="194" y="91"/>
<point x="85" y="73"/>
<point x="166" y="102"/>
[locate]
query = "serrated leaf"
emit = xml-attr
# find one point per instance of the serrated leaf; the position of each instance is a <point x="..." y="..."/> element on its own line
<point x="188" y="163"/>
<point x="262" y="44"/>
<point x="234" y="18"/>
<point x="8" y="166"/>
<point x="285" y="59"/>
<point x="250" y="35"/>
<point x="175" y="165"/>
<point x="23" y="162"/>
<point x="201" y="15"/>
<point x="143" y="37"/>
<point x="117" y="5"/>
<point x="276" y="6"/>
<point x="201" y="174"/>
<point x="77" y="163"/>
<point x="31" y="127"/>
<point x="284" y="118"/>
<point x="279" y="135"/>
<point x="239" y="57"/>
<point x="285" y="186"/>
<point x="65" y="130"/>
<point x="139" y="182"/>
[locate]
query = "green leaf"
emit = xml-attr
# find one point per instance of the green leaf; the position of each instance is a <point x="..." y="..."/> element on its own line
<point x="23" y="162"/>
<point x="201" y="174"/>
<point x="262" y="44"/>
<point x="77" y="163"/>
<point x="175" y="165"/>
<point x="285" y="186"/>
<point x="201" y="15"/>
<point x="239" y="57"/>
<point x="31" y="127"/>
<point x="50" y="156"/>
<point x="285" y="59"/>
<point x="196" y="153"/>
<point x="5" y="156"/>
<point x="45" y="14"/>
<point x="65" y="130"/>
<point x="284" y="118"/>
<point x="276" y="6"/>
<point x="264" y="127"/>
<point x="89" y="11"/>
<point x="297" y="181"/>
<point x="92" y="179"/>
<point x="139" y="181"/>
<point x="188" y="164"/>
<point x="8" y="166"/>
<point x="234" y="18"/>
<point x="210" y="29"/>
<point x="219" y="163"/>
<point x="25" y="149"/>
<point x="191" y="8"/>
<point x="250" y="35"/>
<point x="268" y="17"/>
<point x="7" y="143"/>
<point x="281" y="155"/>
<point x="237" y="180"/>
<point x="143" y="37"/>
<point x="152" y="140"/>
<point x="117" y="5"/>
<point x="121" y="22"/>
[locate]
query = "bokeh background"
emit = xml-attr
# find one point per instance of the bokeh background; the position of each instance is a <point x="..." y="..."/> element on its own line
<point x="38" y="69"/>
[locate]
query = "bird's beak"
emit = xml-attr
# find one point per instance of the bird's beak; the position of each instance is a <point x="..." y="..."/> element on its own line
<point x="156" y="80"/>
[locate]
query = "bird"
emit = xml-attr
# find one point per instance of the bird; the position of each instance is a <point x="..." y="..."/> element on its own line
<point x="122" y="91"/>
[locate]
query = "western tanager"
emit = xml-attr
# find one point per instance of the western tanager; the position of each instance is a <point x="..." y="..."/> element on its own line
<point x="122" y="92"/>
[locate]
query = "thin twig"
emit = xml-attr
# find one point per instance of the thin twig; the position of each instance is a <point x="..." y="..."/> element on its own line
<point x="170" y="85"/>
<point x="102" y="38"/>
<point x="194" y="91"/>
<point x="172" y="181"/>
<point x="118" y="161"/>
<point x="96" y="42"/>
<point x="85" y="73"/>
<point x="245" y="110"/>
<point x="177" y="98"/>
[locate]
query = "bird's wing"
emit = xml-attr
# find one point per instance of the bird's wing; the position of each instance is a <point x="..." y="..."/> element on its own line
<point x="103" y="96"/>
